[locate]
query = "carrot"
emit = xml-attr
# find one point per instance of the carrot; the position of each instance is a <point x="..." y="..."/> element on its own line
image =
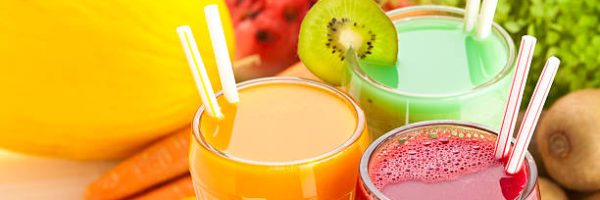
<point x="177" y="189"/>
<point x="161" y="161"/>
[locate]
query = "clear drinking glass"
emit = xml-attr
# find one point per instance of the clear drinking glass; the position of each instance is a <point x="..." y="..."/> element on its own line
<point x="331" y="175"/>
<point x="367" y="189"/>
<point x="387" y="107"/>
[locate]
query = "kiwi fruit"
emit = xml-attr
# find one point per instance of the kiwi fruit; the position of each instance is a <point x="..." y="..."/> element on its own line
<point x="331" y="27"/>
<point x="594" y="196"/>
<point x="568" y="140"/>
<point x="550" y="190"/>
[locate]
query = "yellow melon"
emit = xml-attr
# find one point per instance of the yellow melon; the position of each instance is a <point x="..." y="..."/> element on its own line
<point x="97" y="79"/>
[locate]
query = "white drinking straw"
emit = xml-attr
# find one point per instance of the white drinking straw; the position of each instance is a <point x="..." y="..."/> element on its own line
<point x="199" y="71"/>
<point x="515" y="96"/>
<point x="217" y="35"/>
<point x="471" y="14"/>
<point x="532" y="115"/>
<point x="486" y="18"/>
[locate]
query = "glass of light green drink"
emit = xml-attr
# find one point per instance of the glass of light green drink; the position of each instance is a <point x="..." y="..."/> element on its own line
<point x="442" y="72"/>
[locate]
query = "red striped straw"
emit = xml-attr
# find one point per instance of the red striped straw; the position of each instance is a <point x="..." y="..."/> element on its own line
<point x="532" y="115"/>
<point x="515" y="95"/>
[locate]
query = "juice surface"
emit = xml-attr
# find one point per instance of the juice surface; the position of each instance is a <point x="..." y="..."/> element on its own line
<point x="441" y="73"/>
<point x="281" y="123"/>
<point x="269" y="143"/>
<point x="443" y="163"/>
<point x="436" y="57"/>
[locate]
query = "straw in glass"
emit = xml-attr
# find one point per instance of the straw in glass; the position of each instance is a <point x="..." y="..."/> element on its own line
<point x="217" y="35"/>
<point x="199" y="73"/>
<point x="486" y="18"/>
<point x="515" y="96"/>
<point x="532" y="115"/>
<point x="471" y="14"/>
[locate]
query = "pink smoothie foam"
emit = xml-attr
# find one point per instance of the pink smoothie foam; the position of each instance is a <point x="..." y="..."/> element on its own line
<point x="443" y="163"/>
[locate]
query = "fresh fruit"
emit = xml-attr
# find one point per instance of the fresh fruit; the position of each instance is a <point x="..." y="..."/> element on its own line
<point x="331" y="27"/>
<point x="595" y="196"/>
<point x="97" y="79"/>
<point x="162" y="161"/>
<point x="550" y="191"/>
<point x="568" y="140"/>
<point x="269" y="29"/>
<point x="180" y="188"/>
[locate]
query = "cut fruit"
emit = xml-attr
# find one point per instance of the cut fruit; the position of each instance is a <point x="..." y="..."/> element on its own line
<point x="268" y="29"/>
<point x="331" y="27"/>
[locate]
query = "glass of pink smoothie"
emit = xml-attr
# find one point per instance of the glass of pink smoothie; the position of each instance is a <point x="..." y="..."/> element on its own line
<point x="441" y="160"/>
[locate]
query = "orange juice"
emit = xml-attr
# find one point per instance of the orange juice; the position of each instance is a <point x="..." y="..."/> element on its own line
<point x="286" y="139"/>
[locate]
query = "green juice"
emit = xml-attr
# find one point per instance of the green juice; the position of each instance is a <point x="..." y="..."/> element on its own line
<point x="436" y="57"/>
<point x="442" y="72"/>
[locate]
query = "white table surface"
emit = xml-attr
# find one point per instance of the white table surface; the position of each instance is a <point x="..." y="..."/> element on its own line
<point x="24" y="177"/>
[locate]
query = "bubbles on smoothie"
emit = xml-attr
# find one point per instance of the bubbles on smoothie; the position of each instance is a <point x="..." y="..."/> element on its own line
<point x="444" y="140"/>
<point x="432" y="155"/>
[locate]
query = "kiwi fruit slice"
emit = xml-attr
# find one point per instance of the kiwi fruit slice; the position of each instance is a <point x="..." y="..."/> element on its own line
<point x="331" y="27"/>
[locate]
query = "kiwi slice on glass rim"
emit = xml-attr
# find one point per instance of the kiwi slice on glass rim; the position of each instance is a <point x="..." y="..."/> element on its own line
<point x="331" y="27"/>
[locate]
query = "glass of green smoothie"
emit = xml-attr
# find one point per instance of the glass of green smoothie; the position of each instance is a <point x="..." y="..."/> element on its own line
<point x="442" y="72"/>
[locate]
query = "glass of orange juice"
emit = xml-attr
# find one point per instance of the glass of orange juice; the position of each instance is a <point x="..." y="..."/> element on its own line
<point x="288" y="138"/>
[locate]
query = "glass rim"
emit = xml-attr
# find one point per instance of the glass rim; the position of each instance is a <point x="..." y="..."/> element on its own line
<point x="358" y="131"/>
<point x="366" y="181"/>
<point x="505" y="72"/>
